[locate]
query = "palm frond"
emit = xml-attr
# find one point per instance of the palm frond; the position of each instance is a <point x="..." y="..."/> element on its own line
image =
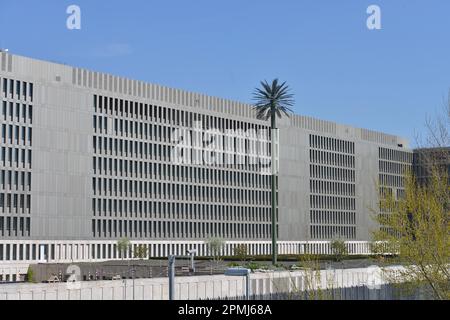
<point x="273" y="99"/>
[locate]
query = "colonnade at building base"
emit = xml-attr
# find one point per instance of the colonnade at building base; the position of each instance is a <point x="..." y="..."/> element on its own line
<point x="17" y="255"/>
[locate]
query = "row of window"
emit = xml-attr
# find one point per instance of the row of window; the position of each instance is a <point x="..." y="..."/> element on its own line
<point x="332" y="217"/>
<point x="248" y="155"/>
<point x="158" y="152"/>
<point x="15" y="157"/>
<point x="15" y="180"/>
<point x="145" y="170"/>
<point x="332" y="232"/>
<point x="331" y="144"/>
<point x="178" y="230"/>
<point x="234" y="140"/>
<point x="395" y="155"/>
<point x="131" y="129"/>
<point x="332" y="188"/>
<point x="393" y="167"/>
<point x="15" y="203"/>
<point x="332" y="159"/>
<point x="12" y="252"/>
<point x="330" y="202"/>
<point x="16" y="89"/>
<point x="131" y="149"/>
<point x="107" y="251"/>
<point x="142" y="111"/>
<point x="17" y="112"/>
<point x="17" y="135"/>
<point x="15" y="226"/>
<point x="331" y="173"/>
<point x="392" y="180"/>
<point x="157" y="190"/>
<point x="178" y="210"/>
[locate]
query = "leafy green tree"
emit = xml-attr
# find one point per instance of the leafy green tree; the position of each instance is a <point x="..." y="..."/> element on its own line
<point x="141" y="252"/>
<point x="123" y="246"/>
<point x="416" y="228"/>
<point x="272" y="101"/>
<point x="339" y="249"/>
<point x="215" y="246"/>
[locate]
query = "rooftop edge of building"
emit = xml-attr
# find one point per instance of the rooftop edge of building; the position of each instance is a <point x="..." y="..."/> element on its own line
<point x="93" y="80"/>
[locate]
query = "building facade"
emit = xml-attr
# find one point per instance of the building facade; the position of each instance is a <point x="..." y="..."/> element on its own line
<point x="428" y="159"/>
<point x="87" y="158"/>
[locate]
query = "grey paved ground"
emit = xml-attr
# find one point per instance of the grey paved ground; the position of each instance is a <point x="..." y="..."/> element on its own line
<point x="156" y="268"/>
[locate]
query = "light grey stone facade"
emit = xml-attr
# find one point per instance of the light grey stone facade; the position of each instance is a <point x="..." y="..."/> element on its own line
<point x="97" y="171"/>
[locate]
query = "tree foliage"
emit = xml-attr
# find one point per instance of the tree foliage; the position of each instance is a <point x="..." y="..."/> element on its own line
<point x="141" y="252"/>
<point x="123" y="245"/>
<point x="273" y="100"/>
<point x="317" y="285"/>
<point x="215" y="246"/>
<point x="438" y="127"/>
<point x="30" y="275"/>
<point x="416" y="228"/>
<point x="339" y="249"/>
<point x="241" y="252"/>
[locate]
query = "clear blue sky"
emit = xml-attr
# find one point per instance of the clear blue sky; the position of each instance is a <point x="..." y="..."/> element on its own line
<point x="385" y="80"/>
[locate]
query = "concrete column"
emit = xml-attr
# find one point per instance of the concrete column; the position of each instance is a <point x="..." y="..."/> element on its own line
<point x="58" y="252"/>
<point x="24" y="251"/>
<point x="101" y="252"/>
<point x="85" y="252"/>
<point x="64" y="252"/>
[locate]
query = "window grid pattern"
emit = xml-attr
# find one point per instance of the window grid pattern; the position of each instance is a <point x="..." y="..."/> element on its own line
<point x="393" y="164"/>
<point x="332" y="188"/>
<point x="16" y="121"/>
<point x="139" y="193"/>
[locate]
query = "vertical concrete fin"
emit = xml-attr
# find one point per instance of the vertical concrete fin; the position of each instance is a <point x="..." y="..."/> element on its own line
<point x="10" y="62"/>
<point x="3" y="61"/>
<point x="74" y="76"/>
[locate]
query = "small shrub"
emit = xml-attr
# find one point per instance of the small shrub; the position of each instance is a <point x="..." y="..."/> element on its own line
<point x="234" y="264"/>
<point x="339" y="249"/>
<point x="141" y="252"/>
<point x="215" y="246"/>
<point x="30" y="276"/>
<point x="253" y="266"/>
<point x="241" y="252"/>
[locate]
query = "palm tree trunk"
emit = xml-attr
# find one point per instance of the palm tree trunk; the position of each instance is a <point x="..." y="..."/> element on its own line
<point x="274" y="193"/>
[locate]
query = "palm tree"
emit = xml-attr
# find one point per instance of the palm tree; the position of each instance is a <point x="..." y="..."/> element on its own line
<point x="272" y="101"/>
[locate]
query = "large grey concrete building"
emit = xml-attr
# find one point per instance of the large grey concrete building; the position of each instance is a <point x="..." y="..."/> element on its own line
<point x="86" y="160"/>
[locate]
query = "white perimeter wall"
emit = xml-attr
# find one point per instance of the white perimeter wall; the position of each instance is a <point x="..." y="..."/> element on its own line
<point x="190" y="288"/>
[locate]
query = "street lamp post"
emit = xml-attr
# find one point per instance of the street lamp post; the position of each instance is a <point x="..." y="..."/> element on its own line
<point x="133" y="275"/>
<point x="171" y="270"/>
<point x="171" y="277"/>
<point x="241" y="272"/>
